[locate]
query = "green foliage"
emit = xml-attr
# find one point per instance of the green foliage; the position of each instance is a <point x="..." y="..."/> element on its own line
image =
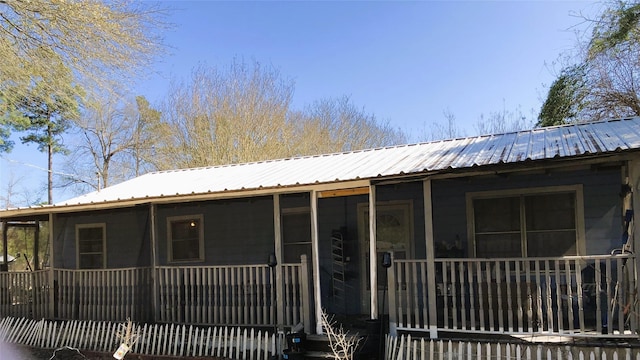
<point x="603" y="82"/>
<point x="565" y="98"/>
<point x="95" y="43"/>
<point x="45" y="115"/>
<point x="617" y="25"/>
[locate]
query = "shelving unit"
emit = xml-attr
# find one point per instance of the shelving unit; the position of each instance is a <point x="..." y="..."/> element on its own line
<point x="338" y="266"/>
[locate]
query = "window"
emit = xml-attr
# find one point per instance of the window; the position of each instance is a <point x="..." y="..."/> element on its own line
<point x="91" y="246"/>
<point x="186" y="238"/>
<point x="296" y="234"/>
<point x="526" y="223"/>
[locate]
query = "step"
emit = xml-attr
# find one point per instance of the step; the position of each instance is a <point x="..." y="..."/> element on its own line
<point x="309" y="355"/>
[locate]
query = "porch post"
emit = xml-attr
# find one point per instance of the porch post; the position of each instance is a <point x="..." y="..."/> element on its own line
<point x="373" y="269"/>
<point x="393" y="309"/>
<point x="5" y="251"/>
<point x="154" y="280"/>
<point x="315" y="256"/>
<point x="306" y="293"/>
<point x="277" y="225"/>
<point x="431" y="268"/>
<point x="53" y="286"/>
<point x="634" y="175"/>
<point x="36" y="246"/>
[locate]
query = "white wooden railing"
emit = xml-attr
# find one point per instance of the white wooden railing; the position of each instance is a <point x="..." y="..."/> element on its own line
<point x="233" y="295"/>
<point x="215" y="294"/>
<point x="109" y="294"/>
<point x="222" y="295"/>
<point x="579" y="295"/>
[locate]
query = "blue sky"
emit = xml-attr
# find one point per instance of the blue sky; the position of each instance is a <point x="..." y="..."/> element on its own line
<point x="405" y="62"/>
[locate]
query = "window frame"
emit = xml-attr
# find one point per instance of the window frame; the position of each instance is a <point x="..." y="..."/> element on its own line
<point x="170" y="220"/>
<point x="576" y="189"/>
<point x="103" y="226"/>
<point x="300" y="210"/>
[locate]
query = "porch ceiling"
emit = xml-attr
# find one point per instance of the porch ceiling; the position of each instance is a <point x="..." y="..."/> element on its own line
<point x="562" y="142"/>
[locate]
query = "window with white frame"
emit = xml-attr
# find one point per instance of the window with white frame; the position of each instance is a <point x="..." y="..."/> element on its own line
<point x="91" y="246"/>
<point x="186" y="238"/>
<point x="541" y="222"/>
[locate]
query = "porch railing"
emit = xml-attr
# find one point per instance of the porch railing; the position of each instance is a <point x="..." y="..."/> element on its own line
<point x="579" y="295"/>
<point x="214" y="295"/>
<point x="24" y="293"/>
<point x="231" y="295"/>
<point x="105" y="294"/>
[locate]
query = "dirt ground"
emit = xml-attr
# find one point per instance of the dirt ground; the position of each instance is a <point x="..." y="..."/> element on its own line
<point x="27" y="353"/>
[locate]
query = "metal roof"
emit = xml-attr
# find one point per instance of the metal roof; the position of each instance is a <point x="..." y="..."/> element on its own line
<point x="576" y="140"/>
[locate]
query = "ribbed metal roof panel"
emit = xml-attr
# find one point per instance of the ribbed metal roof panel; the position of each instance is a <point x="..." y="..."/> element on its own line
<point x="531" y="145"/>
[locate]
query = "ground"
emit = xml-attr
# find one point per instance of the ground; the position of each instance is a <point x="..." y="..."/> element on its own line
<point x="26" y="353"/>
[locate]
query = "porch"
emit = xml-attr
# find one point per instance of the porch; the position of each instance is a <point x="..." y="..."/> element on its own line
<point x="576" y="296"/>
<point x="573" y="296"/>
<point x="247" y="295"/>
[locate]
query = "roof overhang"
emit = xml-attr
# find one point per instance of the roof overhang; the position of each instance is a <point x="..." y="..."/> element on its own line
<point x="42" y="212"/>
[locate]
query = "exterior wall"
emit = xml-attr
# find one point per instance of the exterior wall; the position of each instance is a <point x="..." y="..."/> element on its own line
<point x="127" y="237"/>
<point x="602" y="206"/>
<point x="236" y="231"/>
<point x="411" y="191"/>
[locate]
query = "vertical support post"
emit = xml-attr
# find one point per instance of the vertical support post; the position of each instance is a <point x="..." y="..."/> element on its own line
<point x="315" y="253"/>
<point x="5" y="251"/>
<point x="634" y="182"/>
<point x="36" y="246"/>
<point x="35" y="276"/>
<point x="431" y="268"/>
<point x="306" y="293"/>
<point x="154" y="278"/>
<point x="53" y="286"/>
<point x="393" y="309"/>
<point x="277" y="226"/>
<point x="373" y="252"/>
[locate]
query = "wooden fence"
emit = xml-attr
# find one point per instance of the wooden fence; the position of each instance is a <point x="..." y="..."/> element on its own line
<point x="586" y="295"/>
<point x="157" y="340"/>
<point x="405" y="347"/>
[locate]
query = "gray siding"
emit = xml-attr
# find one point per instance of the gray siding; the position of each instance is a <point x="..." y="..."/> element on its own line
<point x="127" y="232"/>
<point x="236" y="232"/>
<point x="602" y="204"/>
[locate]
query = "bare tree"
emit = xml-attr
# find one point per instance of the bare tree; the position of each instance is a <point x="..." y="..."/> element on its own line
<point x="336" y="125"/>
<point x="99" y="42"/>
<point x="602" y="80"/>
<point x="115" y="136"/>
<point x="449" y="129"/>
<point x="222" y="116"/>
<point x="503" y="121"/>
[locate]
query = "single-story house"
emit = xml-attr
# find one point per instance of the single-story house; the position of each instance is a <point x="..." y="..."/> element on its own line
<point x="521" y="233"/>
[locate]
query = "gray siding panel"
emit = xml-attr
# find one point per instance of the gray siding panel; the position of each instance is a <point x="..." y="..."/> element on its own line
<point x="127" y="231"/>
<point x="602" y="204"/>
<point x="238" y="231"/>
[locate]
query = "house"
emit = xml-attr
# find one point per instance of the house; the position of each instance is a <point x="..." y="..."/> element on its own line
<point x="523" y="233"/>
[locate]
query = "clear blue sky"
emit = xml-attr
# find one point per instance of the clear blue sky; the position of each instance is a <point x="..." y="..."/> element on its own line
<point x="405" y="62"/>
